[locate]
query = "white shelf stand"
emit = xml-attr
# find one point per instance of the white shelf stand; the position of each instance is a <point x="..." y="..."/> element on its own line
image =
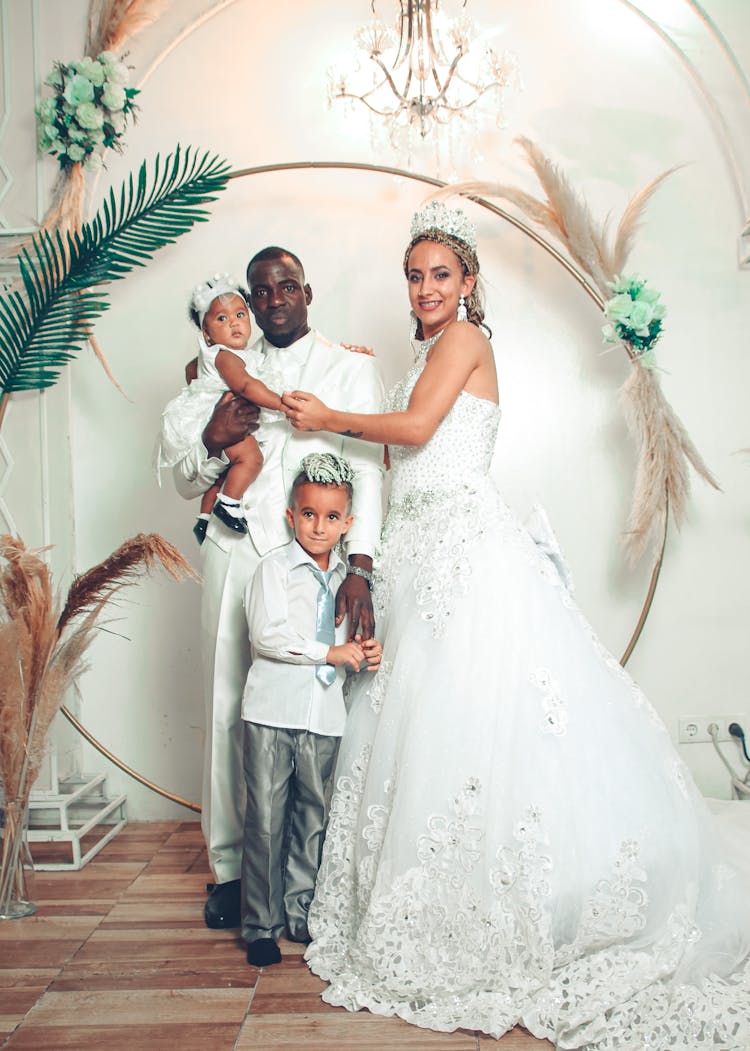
<point x="78" y="807"/>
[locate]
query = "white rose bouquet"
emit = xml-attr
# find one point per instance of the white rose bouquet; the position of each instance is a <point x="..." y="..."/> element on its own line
<point x="634" y="316"/>
<point x="89" y="111"/>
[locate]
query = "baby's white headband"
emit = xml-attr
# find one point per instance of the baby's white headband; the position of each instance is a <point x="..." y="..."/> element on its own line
<point x="218" y="285"/>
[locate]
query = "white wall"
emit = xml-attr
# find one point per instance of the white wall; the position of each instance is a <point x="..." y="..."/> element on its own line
<point x="606" y="99"/>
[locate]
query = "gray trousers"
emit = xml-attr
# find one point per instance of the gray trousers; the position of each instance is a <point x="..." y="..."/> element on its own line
<point x="286" y="775"/>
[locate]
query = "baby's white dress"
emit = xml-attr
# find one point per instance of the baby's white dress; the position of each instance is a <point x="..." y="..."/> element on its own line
<point x="186" y="415"/>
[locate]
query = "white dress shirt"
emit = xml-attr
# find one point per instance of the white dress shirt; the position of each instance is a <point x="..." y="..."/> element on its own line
<point x="282" y="688"/>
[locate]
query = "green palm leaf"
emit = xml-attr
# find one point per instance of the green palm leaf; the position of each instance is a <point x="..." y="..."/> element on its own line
<point x="41" y="330"/>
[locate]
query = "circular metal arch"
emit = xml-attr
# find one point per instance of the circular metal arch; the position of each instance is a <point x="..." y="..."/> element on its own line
<point x="547" y="247"/>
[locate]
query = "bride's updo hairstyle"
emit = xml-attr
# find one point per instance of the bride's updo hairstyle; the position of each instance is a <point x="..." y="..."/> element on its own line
<point x="453" y="229"/>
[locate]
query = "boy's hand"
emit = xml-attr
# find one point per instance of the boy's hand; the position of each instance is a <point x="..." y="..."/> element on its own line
<point x="373" y="652"/>
<point x="350" y="653"/>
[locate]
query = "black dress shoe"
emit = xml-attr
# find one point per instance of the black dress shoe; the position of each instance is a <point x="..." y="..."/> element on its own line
<point x="263" y="952"/>
<point x="223" y="908"/>
<point x="239" y="525"/>
<point x="199" y="530"/>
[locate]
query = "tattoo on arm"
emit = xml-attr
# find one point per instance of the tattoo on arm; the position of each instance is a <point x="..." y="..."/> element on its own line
<point x="351" y="434"/>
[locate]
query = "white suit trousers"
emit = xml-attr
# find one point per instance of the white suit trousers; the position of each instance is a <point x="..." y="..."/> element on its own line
<point x="226" y="659"/>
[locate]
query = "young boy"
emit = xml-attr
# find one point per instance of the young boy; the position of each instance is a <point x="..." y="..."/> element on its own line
<point x="293" y="707"/>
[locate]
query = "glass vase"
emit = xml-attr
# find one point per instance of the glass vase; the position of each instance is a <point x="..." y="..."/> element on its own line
<point x="16" y="864"/>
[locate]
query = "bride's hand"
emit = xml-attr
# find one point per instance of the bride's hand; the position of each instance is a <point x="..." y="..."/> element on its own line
<point x="304" y="411"/>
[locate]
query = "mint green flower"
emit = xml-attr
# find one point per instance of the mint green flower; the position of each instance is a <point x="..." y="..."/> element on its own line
<point x="114" y="97"/>
<point x="93" y="162"/>
<point x="89" y="115"/>
<point x="47" y="111"/>
<point x="92" y="70"/>
<point x="55" y="78"/>
<point x="648" y="295"/>
<point x="618" y="308"/>
<point x="78" y="90"/>
<point x="76" y="153"/>
<point x="117" y="73"/>
<point x="49" y="137"/>
<point x="641" y="315"/>
<point x="621" y="283"/>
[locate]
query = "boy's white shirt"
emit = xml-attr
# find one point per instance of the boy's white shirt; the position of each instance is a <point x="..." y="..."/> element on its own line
<point x="282" y="688"/>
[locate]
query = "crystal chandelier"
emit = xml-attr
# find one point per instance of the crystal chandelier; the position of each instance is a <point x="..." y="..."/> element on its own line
<point x="428" y="72"/>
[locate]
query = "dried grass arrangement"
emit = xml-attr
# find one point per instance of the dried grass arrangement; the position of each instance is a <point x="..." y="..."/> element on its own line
<point x="665" y="449"/>
<point x="42" y="646"/>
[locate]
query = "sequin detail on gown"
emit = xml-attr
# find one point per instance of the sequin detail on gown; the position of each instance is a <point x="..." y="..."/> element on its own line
<point x="513" y="839"/>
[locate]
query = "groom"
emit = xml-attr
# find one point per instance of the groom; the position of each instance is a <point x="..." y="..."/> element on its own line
<point x="279" y="300"/>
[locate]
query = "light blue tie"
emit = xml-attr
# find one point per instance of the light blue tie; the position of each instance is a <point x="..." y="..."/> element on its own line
<point x="324" y="622"/>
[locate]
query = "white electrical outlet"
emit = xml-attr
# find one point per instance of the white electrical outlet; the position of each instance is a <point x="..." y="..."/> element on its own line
<point x="694" y="729"/>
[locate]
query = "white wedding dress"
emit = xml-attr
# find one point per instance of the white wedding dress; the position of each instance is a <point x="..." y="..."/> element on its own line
<point x="513" y="839"/>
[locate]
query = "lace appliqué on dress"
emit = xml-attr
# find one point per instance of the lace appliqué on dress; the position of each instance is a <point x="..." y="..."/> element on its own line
<point x="423" y="943"/>
<point x="554" y="709"/>
<point x="430" y="944"/>
<point x="378" y="690"/>
<point x="430" y="531"/>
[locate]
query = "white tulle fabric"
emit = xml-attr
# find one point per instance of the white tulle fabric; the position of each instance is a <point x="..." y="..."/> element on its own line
<point x="186" y="415"/>
<point x="513" y="839"/>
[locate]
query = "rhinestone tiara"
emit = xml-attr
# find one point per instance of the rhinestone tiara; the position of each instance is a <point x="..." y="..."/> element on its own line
<point x="438" y="216"/>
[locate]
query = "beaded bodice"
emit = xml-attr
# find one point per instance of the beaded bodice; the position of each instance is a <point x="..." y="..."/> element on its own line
<point x="442" y="501"/>
<point x="459" y="452"/>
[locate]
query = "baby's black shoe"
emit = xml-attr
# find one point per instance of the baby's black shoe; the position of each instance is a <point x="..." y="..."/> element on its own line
<point x="235" y="522"/>
<point x="199" y="529"/>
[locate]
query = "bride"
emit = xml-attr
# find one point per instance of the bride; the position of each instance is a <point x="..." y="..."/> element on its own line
<point x="513" y="839"/>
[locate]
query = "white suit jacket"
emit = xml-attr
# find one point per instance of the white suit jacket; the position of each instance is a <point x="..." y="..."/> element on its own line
<point x="343" y="380"/>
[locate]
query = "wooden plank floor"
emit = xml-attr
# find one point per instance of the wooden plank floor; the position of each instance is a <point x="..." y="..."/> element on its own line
<point x="118" y="957"/>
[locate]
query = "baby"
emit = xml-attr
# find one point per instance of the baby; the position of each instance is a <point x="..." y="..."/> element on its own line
<point x="219" y="309"/>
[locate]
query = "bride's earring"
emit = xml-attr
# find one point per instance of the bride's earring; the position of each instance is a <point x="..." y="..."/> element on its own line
<point x="413" y="326"/>
<point x="461" y="314"/>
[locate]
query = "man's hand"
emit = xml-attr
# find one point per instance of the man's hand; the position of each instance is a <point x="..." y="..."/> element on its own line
<point x="354" y="599"/>
<point x="232" y="420"/>
<point x="191" y="371"/>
